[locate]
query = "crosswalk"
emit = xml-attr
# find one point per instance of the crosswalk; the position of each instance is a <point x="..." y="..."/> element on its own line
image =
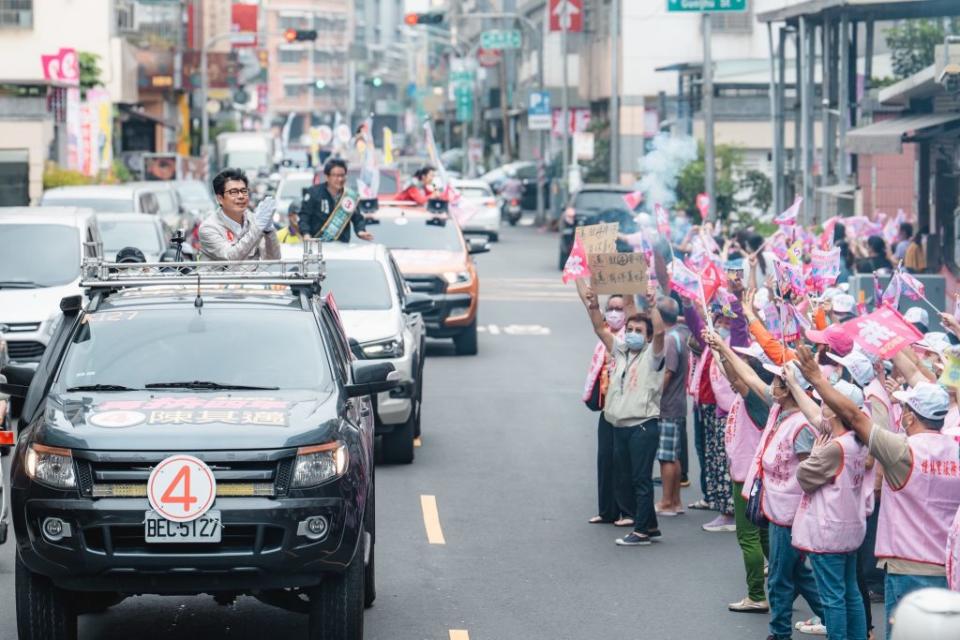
<point x="526" y="290"/>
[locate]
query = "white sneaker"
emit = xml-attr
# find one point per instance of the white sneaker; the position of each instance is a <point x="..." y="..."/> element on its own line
<point x="813" y="627"/>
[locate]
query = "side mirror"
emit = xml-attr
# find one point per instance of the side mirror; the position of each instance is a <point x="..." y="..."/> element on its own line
<point x="372" y="377"/>
<point x="18" y="378"/>
<point x="355" y="348"/>
<point x="419" y="303"/>
<point x="477" y="245"/>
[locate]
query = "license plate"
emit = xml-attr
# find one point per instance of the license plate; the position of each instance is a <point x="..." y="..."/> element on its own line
<point x="206" y="528"/>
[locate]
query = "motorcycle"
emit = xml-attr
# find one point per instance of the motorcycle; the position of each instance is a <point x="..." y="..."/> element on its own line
<point x="510" y="211"/>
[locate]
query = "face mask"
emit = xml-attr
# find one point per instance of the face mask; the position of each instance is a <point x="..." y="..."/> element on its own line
<point x="635" y="341"/>
<point x="724" y="332"/>
<point x="615" y="319"/>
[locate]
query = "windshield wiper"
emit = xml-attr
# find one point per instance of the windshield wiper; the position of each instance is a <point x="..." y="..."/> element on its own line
<point x="18" y="284"/>
<point x="205" y="384"/>
<point x="100" y="387"/>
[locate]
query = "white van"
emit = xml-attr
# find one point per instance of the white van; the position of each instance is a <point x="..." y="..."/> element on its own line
<point x="43" y="248"/>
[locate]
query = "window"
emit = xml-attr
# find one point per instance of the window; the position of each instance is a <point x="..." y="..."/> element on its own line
<point x="294" y="90"/>
<point x="288" y="56"/>
<point x="733" y="21"/>
<point x="16" y="14"/>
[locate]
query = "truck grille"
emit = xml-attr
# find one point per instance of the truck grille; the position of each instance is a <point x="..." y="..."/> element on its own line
<point x="426" y="284"/>
<point x="242" y="539"/>
<point x="25" y="351"/>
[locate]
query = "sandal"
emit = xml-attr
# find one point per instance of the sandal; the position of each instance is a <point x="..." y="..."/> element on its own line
<point x="624" y="522"/>
<point x="700" y="504"/>
<point x="599" y="520"/>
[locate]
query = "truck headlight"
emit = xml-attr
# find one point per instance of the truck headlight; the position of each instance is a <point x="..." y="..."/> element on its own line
<point x="315" y="465"/>
<point x="51" y="466"/>
<point x="456" y="277"/>
<point x="389" y="348"/>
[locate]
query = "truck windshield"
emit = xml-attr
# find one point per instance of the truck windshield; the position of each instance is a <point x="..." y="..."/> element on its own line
<point x="38" y="255"/>
<point x="358" y="285"/>
<point x="416" y="233"/>
<point x="221" y="346"/>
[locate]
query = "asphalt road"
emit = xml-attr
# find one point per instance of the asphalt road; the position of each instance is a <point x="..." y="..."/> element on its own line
<point x="508" y="453"/>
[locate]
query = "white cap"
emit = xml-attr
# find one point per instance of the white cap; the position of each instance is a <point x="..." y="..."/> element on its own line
<point x="778" y="371"/>
<point x="851" y="392"/>
<point x="915" y="315"/>
<point x="927" y="614"/>
<point x="844" y="303"/>
<point x="927" y="399"/>
<point x="858" y="364"/>
<point x="935" y="341"/>
<point x="754" y="351"/>
<point x="830" y="293"/>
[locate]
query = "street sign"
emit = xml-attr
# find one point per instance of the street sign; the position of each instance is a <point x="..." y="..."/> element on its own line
<point x="488" y="57"/>
<point x="498" y="39"/>
<point x="539" y="115"/>
<point x="566" y="11"/>
<point x="706" y="5"/>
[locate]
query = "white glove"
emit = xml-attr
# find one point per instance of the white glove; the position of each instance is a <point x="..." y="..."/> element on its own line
<point x="264" y="213"/>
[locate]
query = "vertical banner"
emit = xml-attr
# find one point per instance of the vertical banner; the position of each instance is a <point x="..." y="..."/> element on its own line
<point x="103" y="114"/>
<point x="74" y="125"/>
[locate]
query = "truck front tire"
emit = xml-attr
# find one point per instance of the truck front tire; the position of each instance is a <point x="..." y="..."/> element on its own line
<point x="43" y="610"/>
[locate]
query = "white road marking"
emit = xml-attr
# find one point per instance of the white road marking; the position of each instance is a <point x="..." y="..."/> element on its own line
<point x="494" y="330"/>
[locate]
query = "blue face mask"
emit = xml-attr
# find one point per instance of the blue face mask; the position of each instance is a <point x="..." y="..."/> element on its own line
<point x="635" y="341"/>
<point x="724" y="332"/>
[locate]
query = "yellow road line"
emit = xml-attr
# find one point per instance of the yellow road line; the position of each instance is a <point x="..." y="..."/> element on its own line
<point x="431" y="520"/>
<point x="459" y="634"/>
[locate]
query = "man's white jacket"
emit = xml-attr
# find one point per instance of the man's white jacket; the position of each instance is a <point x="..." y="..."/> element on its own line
<point x="222" y="239"/>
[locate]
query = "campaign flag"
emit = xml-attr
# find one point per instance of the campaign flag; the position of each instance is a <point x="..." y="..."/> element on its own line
<point x="913" y="288"/>
<point x="801" y="320"/>
<point x="951" y="368"/>
<point x="576" y="267"/>
<point x="789" y="217"/>
<point x="877" y="290"/>
<point x="772" y="320"/>
<point x="892" y="294"/>
<point x="633" y="199"/>
<point x="891" y="230"/>
<point x="434" y="154"/>
<point x="882" y="333"/>
<point x="703" y="205"/>
<point x="778" y="245"/>
<point x="685" y="282"/>
<point x="826" y="237"/>
<point x="790" y="278"/>
<point x="795" y="253"/>
<point x="712" y="278"/>
<point x="825" y="267"/>
<point x="726" y="299"/>
<point x="387" y="145"/>
<point x="368" y="182"/>
<point x="663" y="220"/>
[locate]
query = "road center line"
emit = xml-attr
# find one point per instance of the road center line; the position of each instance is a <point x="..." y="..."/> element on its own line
<point x="494" y="330"/>
<point x="459" y="634"/>
<point x="431" y="520"/>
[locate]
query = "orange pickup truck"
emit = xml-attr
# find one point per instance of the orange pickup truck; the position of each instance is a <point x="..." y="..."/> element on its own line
<point x="435" y="259"/>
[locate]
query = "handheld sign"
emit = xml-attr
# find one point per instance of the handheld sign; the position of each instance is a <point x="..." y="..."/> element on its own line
<point x="599" y="238"/>
<point x="181" y="488"/>
<point x="619" y="273"/>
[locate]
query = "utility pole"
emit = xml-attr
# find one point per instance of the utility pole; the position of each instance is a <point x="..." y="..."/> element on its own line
<point x="615" y="91"/>
<point x="564" y="101"/>
<point x="709" y="153"/>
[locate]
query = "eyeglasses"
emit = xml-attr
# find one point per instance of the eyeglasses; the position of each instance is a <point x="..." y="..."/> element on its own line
<point x="338" y="175"/>
<point x="236" y="193"/>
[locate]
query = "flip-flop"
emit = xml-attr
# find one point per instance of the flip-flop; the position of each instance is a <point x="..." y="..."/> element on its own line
<point x="701" y="504"/>
<point x="624" y="522"/>
<point x="599" y="520"/>
<point x="670" y="514"/>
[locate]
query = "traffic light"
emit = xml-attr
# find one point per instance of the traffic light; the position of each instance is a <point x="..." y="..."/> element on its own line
<point x="300" y="35"/>
<point x="376" y="81"/>
<point x="413" y="19"/>
<point x="321" y="84"/>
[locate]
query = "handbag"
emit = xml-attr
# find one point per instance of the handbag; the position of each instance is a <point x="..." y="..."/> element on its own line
<point x="754" y="502"/>
<point x="595" y="401"/>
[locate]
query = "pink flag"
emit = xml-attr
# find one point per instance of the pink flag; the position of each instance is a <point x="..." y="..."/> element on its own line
<point x="685" y="282"/>
<point x="892" y="228"/>
<point x="703" y="204"/>
<point x="826" y="238"/>
<point x="576" y="267"/>
<point x="790" y="278"/>
<point x="825" y="267"/>
<point x="633" y="199"/>
<point x="912" y="287"/>
<point x="891" y="296"/>
<point x="663" y="220"/>
<point x="712" y="279"/>
<point x="789" y="217"/>
<point x="799" y="318"/>
<point x="883" y="333"/>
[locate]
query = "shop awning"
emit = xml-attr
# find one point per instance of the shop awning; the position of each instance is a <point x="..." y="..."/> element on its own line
<point x="887" y="136"/>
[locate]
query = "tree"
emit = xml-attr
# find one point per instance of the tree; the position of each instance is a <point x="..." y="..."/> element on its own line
<point x="912" y="43"/>
<point x="760" y="188"/>
<point x="598" y="169"/>
<point x="692" y="181"/>
<point x="89" y="72"/>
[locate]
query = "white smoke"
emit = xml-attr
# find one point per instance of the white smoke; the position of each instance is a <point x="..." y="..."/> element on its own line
<point x="661" y="166"/>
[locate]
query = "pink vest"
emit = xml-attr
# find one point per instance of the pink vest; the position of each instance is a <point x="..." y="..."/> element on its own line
<point x="694" y="387"/>
<point x="876" y="390"/>
<point x="741" y="438"/>
<point x="721" y="388"/>
<point x="781" y="490"/>
<point x="833" y="519"/>
<point x="914" y="519"/>
<point x="951" y="424"/>
<point x="953" y="554"/>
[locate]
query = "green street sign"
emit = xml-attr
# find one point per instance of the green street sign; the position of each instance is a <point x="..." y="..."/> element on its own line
<point x="495" y="39"/>
<point x="706" y="5"/>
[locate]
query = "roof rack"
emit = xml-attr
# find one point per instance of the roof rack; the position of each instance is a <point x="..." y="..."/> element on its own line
<point x="306" y="272"/>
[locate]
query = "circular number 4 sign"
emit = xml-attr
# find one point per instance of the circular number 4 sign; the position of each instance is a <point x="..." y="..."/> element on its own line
<point x="181" y="488"/>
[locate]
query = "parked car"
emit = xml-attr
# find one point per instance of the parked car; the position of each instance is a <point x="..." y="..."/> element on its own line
<point x="592" y="204"/>
<point x="43" y="248"/>
<point x="132" y="197"/>
<point x="277" y="437"/>
<point x="385" y="318"/>
<point x="144" y="232"/>
<point x="435" y="259"/>
<point x="196" y="198"/>
<point x="481" y="207"/>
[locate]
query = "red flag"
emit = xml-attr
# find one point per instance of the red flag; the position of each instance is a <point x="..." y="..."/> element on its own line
<point x="633" y="199"/>
<point x="663" y="220"/>
<point x="883" y="333"/>
<point x="712" y="278"/>
<point x="703" y="204"/>
<point x="576" y="266"/>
